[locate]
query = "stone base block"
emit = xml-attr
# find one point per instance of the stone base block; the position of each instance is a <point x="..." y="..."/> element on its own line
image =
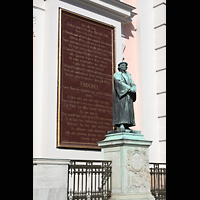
<point x="49" y="193"/>
<point x="129" y="153"/>
<point x="141" y="196"/>
<point x="50" y="179"/>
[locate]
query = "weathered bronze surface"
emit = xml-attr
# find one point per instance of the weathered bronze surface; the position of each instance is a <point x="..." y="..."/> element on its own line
<point x="124" y="94"/>
<point x="86" y="67"/>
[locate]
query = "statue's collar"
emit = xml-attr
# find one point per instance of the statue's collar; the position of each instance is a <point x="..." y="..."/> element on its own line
<point x="125" y="76"/>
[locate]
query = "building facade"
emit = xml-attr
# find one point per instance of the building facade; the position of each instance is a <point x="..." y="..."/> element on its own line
<point x="140" y="40"/>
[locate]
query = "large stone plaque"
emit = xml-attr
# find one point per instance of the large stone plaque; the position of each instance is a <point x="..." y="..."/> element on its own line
<point x="85" y="69"/>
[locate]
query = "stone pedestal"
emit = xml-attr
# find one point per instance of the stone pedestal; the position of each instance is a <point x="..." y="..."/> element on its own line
<point x="129" y="152"/>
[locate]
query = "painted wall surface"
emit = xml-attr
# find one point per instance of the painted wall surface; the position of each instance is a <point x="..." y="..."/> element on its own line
<point x="145" y="53"/>
<point x="45" y="82"/>
<point x="38" y="65"/>
<point x="145" y="39"/>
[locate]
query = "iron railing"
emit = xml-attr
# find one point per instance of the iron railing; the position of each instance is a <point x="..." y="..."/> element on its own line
<point x="89" y="180"/>
<point x="158" y="180"/>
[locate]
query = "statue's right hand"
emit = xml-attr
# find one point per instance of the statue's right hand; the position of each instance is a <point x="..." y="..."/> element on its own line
<point x="133" y="89"/>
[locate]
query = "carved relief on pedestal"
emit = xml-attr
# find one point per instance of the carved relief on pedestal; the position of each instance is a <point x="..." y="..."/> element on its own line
<point x="138" y="172"/>
<point x="137" y="161"/>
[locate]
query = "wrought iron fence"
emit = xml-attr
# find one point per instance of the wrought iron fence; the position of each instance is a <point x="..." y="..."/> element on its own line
<point x="158" y="180"/>
<point x="89" y="180"/>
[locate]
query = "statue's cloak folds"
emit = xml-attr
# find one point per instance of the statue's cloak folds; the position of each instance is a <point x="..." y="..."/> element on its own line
<point x="123" y="111"/>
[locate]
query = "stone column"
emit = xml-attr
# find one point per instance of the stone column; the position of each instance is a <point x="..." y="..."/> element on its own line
<point x="129" y="152"/>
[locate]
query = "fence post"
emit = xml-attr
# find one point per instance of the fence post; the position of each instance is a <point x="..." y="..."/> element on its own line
<point x="158" y="180"/>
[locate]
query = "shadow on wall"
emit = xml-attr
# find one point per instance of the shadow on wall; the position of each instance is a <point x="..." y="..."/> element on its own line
<point x="128" y="30"/>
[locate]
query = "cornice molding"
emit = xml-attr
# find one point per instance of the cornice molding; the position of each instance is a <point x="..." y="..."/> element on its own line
<point x="114" y="8"/>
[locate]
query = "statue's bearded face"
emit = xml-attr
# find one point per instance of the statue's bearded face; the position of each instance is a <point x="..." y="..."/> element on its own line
<point x="123" y="67"/>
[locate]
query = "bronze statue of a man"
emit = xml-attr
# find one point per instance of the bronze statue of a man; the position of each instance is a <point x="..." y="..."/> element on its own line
<point x="124" y="94"/>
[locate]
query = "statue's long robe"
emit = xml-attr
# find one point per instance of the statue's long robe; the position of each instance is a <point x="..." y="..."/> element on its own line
<point x="123" y="111"/>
